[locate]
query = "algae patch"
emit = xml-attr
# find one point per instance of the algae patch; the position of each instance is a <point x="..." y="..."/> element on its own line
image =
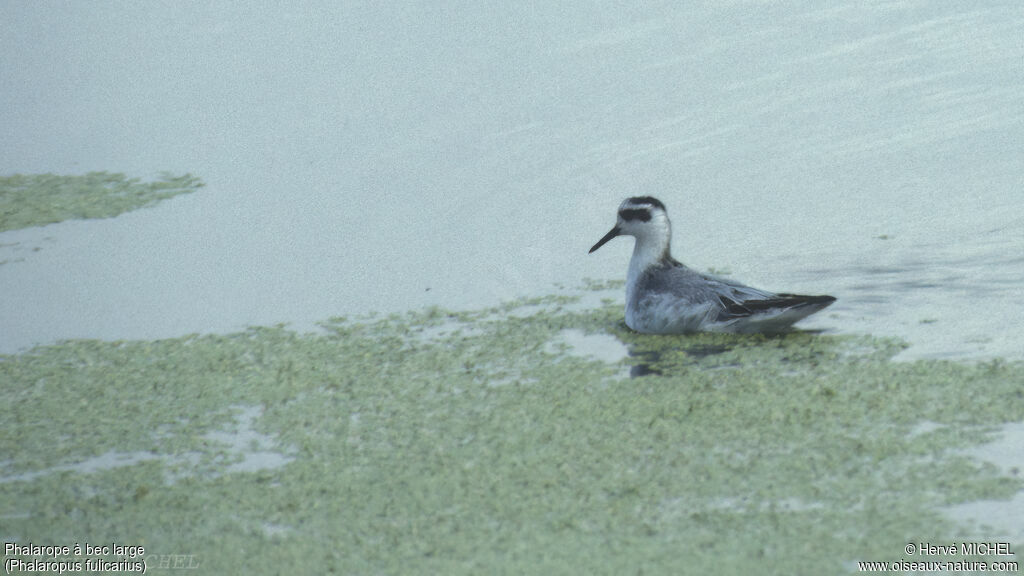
<point x="37" y="199"/>
<point x="481" y="442"/>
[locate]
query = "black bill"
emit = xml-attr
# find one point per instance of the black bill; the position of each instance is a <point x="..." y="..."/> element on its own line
<point x="611" y="234"/>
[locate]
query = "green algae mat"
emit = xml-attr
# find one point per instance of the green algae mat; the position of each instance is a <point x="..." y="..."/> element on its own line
<point x="499" y="442"/>
<point x="37" y="199"/>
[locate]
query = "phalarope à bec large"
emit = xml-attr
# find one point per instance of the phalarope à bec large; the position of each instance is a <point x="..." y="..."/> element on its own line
<point x="665" y="297"/>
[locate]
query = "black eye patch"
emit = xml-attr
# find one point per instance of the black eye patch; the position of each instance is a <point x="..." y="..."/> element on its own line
<point x="641" y="214"/>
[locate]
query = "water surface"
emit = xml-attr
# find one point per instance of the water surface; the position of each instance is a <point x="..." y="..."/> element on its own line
<point x="366" y="157"/>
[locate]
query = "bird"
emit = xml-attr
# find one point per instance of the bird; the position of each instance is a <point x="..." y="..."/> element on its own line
<point x="663" y="296"/>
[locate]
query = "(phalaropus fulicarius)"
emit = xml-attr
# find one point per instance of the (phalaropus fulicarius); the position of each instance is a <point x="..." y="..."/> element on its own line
<point x="665" y="297"/>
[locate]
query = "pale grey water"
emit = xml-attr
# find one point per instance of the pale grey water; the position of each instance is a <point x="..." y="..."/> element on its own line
<point x="357" y="154"/>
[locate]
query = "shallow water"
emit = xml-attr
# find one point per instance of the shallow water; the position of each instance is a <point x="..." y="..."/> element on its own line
<point x="367" y="158"/>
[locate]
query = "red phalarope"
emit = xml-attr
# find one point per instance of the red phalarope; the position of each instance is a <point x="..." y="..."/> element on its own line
<point x="665" y="297"/>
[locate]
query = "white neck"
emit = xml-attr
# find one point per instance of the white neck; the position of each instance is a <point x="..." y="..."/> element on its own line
<point x="651" y="247"/>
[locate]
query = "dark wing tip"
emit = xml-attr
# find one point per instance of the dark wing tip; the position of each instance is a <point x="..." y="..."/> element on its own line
<point x="737" y="309"/>
<point x="801" y="300"/>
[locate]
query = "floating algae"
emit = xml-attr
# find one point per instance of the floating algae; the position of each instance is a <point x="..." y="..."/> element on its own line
<point x="36" y="199"/>
<point x="476" y="442"/>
